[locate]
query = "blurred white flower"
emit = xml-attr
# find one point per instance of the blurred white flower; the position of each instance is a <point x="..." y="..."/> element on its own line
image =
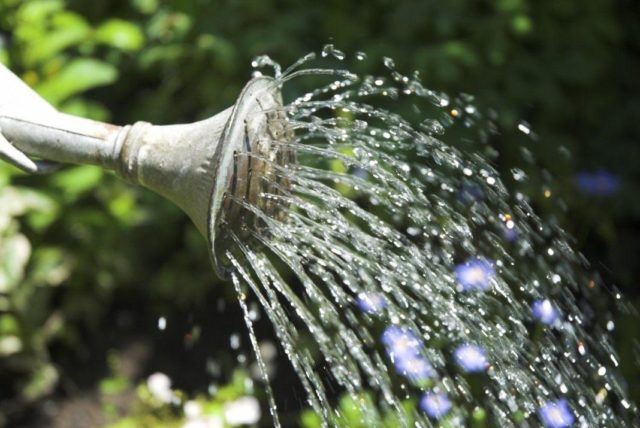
<point x="268" y="351"/>
<point x="243" y="411"/>
<point x="192" y="409"/>
<point x="159" y="385"/>
<point x="204" y="422"/>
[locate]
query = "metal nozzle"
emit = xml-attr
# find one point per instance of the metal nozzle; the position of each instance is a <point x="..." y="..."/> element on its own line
<point x="204" y="167"/>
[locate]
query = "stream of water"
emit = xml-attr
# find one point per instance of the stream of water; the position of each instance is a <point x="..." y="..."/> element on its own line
<point x="432" y="293"/>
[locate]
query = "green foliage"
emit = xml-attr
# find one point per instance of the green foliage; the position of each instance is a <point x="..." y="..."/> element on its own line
<point x="75" y="77"/>
<point x="362" y="413"/>
<point x="76" y="241"/>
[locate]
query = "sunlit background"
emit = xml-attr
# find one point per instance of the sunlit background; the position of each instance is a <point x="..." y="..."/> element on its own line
<point x="109" y="308"/>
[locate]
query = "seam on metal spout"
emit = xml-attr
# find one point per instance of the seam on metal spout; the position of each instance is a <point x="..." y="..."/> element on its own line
<point x="126" y="150"/>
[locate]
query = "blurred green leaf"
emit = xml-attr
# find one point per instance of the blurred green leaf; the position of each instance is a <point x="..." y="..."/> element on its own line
<point x="120" y="34"/>
<point x="84" y="108"/>
<point x="146" y="6"/>
<point x="310" y="419"/>
<point x="114" y="385"/>
<point x="77" y="76"/>
<point x="522" y="24"/>
<point x="69" y="29"/>
<point x="8" y="325"/>
<point x="36" y="11"/>
<point x="50" y="266"/>
<point x="14" y="254"/>
<point x="4" y="56"/>
<point x="77" y="180"/>
<point x="42" y="382"/>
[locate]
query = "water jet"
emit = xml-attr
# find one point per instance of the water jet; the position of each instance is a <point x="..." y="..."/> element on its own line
<point x="381" y="240"/>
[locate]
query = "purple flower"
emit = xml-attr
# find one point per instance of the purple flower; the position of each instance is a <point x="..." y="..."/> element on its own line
<point x="475" y="274"/>
<point x="510" y="234"/>
<point x="416" y="368"/>
<point x="371" y="302"/>
<point x="544" y="311"/>
<point x="401" y="342"/>
<point x="556" y="414"/>
<point x="435" y="404"/>
<point x="471" y="358"/>
<point x="598" y="183"/>
<point x="405" y="349"/>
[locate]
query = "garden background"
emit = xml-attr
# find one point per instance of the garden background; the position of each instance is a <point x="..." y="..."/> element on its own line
<point x="103" y="284"/>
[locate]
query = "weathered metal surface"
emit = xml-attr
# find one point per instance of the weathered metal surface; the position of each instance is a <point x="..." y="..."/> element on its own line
<point x="194" y="165"/>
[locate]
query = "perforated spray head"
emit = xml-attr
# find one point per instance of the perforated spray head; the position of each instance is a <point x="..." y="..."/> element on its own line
<point x="205" y="167"/>
<point x="253" y="147"/>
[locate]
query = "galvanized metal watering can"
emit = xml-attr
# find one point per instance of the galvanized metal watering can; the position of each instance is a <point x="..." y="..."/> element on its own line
<point x="198" y="166"/>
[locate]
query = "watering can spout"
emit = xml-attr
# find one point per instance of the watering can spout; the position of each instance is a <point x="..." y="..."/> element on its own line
<point x="197" y="166"/>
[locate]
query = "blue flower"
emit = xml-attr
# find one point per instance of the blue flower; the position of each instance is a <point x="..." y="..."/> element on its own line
<point x="435" y="404"/>
<point x="371" y="302"/>
<point x="510" y="234"/>
<point x="405" y="350"/>
<point x="544" y="311"/>
<point x="416" y="368"/>
<point x="556" y="414"/>
<point x="475" y="274"/>
<point x="471" y="358"/>
<point x="401" y="342"/>
<point x="470" y="193"/>
<point x="598" y="183"/>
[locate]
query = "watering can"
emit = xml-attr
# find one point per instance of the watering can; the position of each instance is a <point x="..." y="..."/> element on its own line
<point x="201" y="166"/>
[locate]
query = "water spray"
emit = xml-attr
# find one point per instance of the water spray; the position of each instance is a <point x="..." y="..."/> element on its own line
<point x="386" y="244"/>
<point x="200" y="166"/>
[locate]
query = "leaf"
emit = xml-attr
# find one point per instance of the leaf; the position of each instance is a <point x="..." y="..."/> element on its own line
<point x="310" y="419"/>
<point x="10" y="345"/>
<point x="49" y="266"/>
<point x="35" y="12"/>
<point x="70" y="30"/>
<point x="14" y="255"/>
<point x="85" y="108"/>
<point x="77" y="76"/>
<point x="78" y="180"/>
<point x="120" y="34"/>
<point x="41" y="383"/>
<point x="4" y="56"/>
<point x="114" y="385"/>
<point x="8" y="325"/>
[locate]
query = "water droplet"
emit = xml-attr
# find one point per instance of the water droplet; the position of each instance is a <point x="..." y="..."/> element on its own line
<point x="361" y="56"/>
<point x="266" y="61"/>
<point x="518" y="174"/>
<point x="524" y="128"/>
<point x="389" y="63"/>
<point x="432" y="126"/>
<point x="610" y="325"/>
<point x="363" y="215"/>
<point x="234" y="341"/>
<point x="330" y="49"/>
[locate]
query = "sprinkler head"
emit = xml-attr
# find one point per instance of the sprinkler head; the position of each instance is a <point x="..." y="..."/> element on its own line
<point x="252" y="151"/>
<point x="218" y="170"/>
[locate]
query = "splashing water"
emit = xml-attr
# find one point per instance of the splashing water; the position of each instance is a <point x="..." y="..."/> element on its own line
<point x="425" y="284"/>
